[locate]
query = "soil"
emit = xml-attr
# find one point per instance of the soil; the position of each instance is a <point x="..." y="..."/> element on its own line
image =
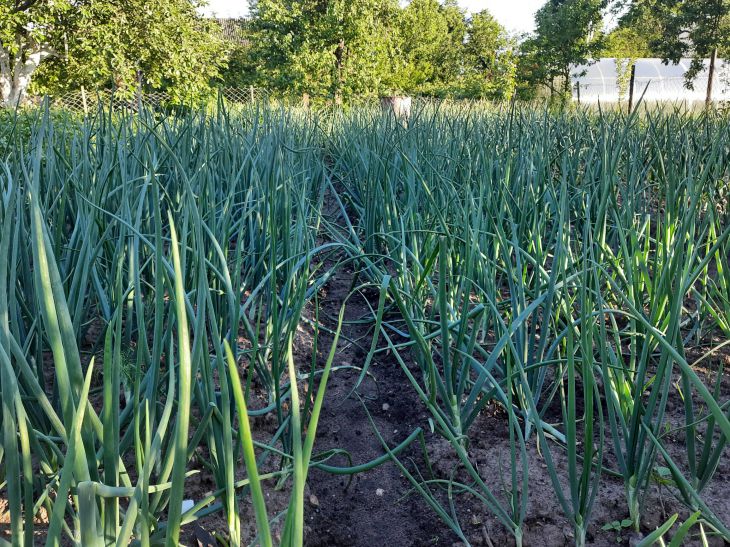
<point x="376" y="507"/>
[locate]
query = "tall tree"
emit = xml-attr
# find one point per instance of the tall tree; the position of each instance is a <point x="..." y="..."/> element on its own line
<point x="344" y="49"/>
<point x="424" y="31"/>
<point x="490" y="60"/>
<point x="635" y="35"/>
<point x="324" y="48"/>
<point x="63" y="44"/>
<point x="690" y="28"/>
<point x="568" y="33"/>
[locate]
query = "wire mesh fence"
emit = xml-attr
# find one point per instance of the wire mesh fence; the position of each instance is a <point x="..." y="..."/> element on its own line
<point x="88" y="101"/>
<point x="85" y="101"/>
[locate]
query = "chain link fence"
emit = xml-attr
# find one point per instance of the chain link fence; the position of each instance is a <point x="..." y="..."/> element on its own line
<point x="86" y="101"/>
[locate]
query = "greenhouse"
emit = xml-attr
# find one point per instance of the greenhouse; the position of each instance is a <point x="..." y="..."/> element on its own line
<point x="607" y="80"/>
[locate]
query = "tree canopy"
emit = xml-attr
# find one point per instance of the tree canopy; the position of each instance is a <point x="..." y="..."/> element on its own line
<point x="341" y="49"/>
<point x="568" y="33"/>
<point x="63" y="44"/>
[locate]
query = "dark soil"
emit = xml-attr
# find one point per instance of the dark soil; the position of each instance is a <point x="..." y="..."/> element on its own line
<point x="375" y="508"/>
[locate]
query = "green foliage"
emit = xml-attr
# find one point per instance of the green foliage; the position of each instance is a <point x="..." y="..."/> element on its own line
<point x="164" y="43"/>
<point x="528" y="265"/>
<point x="62" y="45"/>
<point x="618" y="526"/>
<point x="31" y="24"/>
<point x="326" y="49"/>
<point x="122" y="221"/>
<point x="346" y="50"/>
<point x="568" y="32"/>
<point x="689" y="28"/>
<point x="491" y="59"/>
<point x="428" y="43"/>
<point x="633" y="37"/>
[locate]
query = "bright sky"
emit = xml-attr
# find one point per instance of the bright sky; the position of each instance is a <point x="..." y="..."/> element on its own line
<point x="515" y="15"/>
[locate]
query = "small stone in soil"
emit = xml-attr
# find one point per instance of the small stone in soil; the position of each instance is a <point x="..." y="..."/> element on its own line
<point x="379" y="492"/>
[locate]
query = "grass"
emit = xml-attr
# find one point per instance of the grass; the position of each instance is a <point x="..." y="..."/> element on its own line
<point x="566" y="267"/>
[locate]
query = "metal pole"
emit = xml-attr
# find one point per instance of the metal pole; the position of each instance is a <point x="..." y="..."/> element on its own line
<point x="631" y="87"/>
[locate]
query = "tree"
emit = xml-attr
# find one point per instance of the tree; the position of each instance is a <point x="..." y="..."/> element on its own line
<point x="62" y="44"/>
<point x="344" y="49"/>
<point x="324" y="48"/>
<point x="422" y="29"/>
<point x="490" y="58"/>
<point x="568" y="33"/>
<point x="450" y="57"/>
<point x="635" y="34"/>
<point x="432" y="45"/>
<point x="690" y="28"/>
<point x="28" y="35"/>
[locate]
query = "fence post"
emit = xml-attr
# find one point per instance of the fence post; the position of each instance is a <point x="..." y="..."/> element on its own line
<point x="251" y="94"/>
<point x="631" y="87"/>
<point x="577" y="89"/>
<point x="83" y="101"/>
<point x="139" y="91"/>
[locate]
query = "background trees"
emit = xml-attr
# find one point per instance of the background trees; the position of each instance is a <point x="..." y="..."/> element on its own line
<point x="57" y="45"/>
<point x="568" y="33"/>
<point x="339" y="50"/>
<point x="30" y="32"/>
<point x="327" y="48"/>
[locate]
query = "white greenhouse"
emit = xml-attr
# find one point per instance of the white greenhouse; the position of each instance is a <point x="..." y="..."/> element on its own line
<point x="655" y="80"/>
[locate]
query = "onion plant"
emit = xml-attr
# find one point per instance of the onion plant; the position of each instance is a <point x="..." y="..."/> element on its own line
<point x="147" y="244"/>
<point x="568" y="267"/>
<point x="539" y="259"/>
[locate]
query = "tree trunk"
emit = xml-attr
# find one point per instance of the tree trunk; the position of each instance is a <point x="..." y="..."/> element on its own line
<point x="15" y="76"/>
<point x="710" y="78"/>
<point x="567" y="88"/>
<point x="6" y="76"/>
<point x="339" y="61"/>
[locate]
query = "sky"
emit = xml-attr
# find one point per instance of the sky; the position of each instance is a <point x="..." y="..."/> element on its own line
<point x="514" y="15"/>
